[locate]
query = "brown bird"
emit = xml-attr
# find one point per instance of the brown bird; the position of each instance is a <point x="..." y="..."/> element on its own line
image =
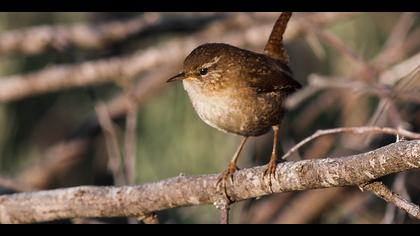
<point x="240" y="91"/>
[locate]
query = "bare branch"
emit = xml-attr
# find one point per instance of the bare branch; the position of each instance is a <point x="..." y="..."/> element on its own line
<point x="224" y="215"/>
<point x="57" y="159"/>
<point x="81" y="202"/>
<point x="130" y="144"/>
<point x="111" y="141"/>
<point x="38" y="39"/>
<point x="14" y="185"/>
<point x="332" y="40"/>
<point x="380" y="190"/>
<point x="302" y="210"/>
<point x="354" y="130"/>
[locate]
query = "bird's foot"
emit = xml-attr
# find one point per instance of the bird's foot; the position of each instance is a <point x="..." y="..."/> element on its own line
<point x="270" y="173"/>
<point x="224" y="177"/>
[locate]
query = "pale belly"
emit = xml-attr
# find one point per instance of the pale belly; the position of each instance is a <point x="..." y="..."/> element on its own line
<point x="247" y="115"/>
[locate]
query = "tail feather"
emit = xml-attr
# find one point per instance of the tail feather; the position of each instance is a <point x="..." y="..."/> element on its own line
<point x="274" y="47"/>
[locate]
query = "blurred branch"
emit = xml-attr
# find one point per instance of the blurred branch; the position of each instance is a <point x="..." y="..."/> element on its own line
<point x="61" y="77"/>
<point x="321" y="82"/>
<point x="111" y="141"/>
<point x="56" y="160"/>
<point x="130" y="143"/>
<point x="196" y="190"/>
<point x="396" y="40"/>
<point x="14" y="185"/>
<point x="407" y="69"/>
<point x="38" y="39"/>
<point x="302" y="210"/>
<point x="88" y="73"/>
<point x="332" y="40"/>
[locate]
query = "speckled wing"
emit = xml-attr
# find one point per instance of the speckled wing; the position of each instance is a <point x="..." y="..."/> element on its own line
<point x="272" y="76"/>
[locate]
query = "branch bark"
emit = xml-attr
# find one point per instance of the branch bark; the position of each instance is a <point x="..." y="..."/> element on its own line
<point x="197" y="190"/>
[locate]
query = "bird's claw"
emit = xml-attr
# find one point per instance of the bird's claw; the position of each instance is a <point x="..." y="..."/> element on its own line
<point x="269" y="174"/>
<point x="222" y="180"/>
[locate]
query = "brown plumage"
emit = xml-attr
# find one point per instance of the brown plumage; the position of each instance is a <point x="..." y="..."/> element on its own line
<point x="239" y="91"/>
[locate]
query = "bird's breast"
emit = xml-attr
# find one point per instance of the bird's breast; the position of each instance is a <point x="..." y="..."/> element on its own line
<point x="236" y="110"/>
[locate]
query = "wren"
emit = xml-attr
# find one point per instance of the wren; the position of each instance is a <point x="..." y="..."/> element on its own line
<point x="241" y="92"/>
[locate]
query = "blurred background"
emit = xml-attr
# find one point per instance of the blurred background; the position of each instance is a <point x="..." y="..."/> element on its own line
<point x="59" y="72"/>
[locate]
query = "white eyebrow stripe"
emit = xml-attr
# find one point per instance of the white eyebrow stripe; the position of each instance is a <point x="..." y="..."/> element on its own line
<point x="212" y="62"/>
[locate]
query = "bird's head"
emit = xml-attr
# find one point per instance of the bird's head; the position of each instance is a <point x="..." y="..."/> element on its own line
<point x="206" y="64"/>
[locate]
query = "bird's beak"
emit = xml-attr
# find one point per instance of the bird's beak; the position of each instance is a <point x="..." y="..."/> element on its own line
<point x="179" y="76"/>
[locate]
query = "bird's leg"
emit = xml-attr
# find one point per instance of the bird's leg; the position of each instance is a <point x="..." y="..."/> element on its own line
<point x="271" y="168"/>
<point x="222" y="180"/>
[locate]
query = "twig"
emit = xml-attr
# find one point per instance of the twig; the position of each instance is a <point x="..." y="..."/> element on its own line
<point x="380" y="190"/>
<point x="111" y="141"/>
<point x="149" y="219"/>
<point x="302" y="210"/>
<point x="14" y="185"/>
<point x="81" y="202"/>
<point x="57" y="159"/>
<point x="320" y="82"/>
<point x="399" y="187"/>
<point x="339" y="45"/>
<point x="354" y="130"/>
<point x="130" y="142"/>
<point x="224" y="215"/>
<point x="396" y="40"/>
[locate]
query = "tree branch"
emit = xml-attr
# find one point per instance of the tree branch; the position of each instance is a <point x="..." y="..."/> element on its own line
<point x="60" y="77"/>
<point x="197" y="190"/>
<point x="354" y="130"/>
<point x="380" y="190"/>
<point x="87" y="35"/>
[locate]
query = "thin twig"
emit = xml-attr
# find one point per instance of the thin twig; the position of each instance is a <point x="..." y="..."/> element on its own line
<point x="399" y="187"/>
<point x="14" y="185"/>
<point x="396" y="39"/>
<point x="380" y="190"/>
<point x="339" y="45"/>
<point x="224" y="215"/>
<point x="130" y="143"/>
<point x="111" y="141"/>
<point x="302" y="210"/>
<point x="354" y="130"/>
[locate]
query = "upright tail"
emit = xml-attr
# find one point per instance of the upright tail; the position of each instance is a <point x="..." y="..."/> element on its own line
<point x="274" y="47"/>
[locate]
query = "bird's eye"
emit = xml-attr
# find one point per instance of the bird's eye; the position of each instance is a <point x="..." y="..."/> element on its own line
<point x="203" y="71"/>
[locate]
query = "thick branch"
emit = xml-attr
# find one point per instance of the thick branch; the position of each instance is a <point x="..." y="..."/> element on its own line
<point x="196" y="190"/>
